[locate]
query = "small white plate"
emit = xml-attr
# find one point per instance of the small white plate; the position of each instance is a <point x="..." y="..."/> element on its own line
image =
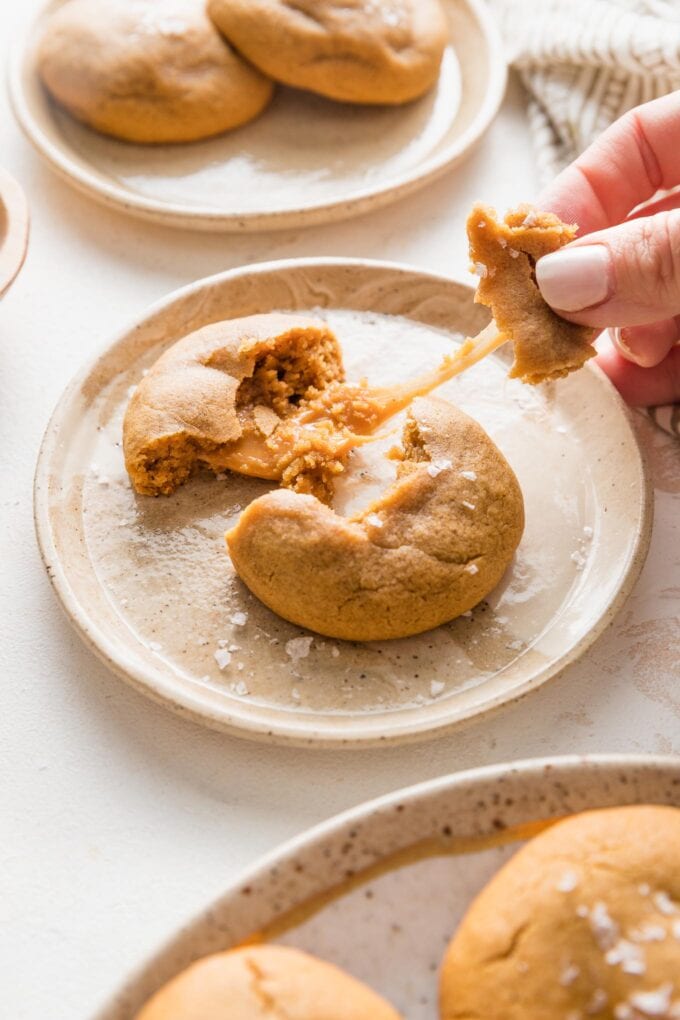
<point x="13" y="230"/>
<point x="148" y="584"/>
<point x="304" y="161"/>
<point x="380" y="889"/>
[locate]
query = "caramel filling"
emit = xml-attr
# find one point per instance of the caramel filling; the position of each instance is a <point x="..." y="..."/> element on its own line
<point x="310" y="446"/>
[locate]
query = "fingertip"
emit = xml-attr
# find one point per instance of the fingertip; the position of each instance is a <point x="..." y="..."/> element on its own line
<point x="646" y="346"/>
<point x="642" y="387"/>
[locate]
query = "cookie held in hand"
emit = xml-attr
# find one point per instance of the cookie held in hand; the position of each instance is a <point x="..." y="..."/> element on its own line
<point x="504" y="253"/>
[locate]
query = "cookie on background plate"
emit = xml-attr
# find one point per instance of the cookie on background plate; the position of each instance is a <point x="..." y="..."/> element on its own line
<point x="584" y="921"/>
<point x="265" y="982"/>
<point x="355" y="51"/>
<point x="148" y="71"/>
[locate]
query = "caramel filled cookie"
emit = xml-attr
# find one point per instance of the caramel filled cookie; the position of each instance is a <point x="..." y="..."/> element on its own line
<point x="431" y="547"/>
<point x="220" y="398"/>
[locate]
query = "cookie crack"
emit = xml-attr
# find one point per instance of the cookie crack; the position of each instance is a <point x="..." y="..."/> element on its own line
<point x="266" y="1001"/>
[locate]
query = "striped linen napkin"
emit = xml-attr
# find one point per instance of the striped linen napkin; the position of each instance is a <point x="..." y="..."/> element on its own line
<point x="584" y="63"/>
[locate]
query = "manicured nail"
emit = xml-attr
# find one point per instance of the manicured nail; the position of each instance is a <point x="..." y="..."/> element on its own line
<point x="619" y="336"/>
<point x="575" y="278"/>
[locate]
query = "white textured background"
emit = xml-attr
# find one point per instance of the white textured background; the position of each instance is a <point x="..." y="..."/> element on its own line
<point x="118" y="821"/>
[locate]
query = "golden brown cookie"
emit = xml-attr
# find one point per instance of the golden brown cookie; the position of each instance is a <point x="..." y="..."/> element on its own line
<point x="148" y="70"/>
<point x="584" y="921"/>
<point x="265" y="983"/>
<point x="429" y="549"/>
<point x="356" y="51"/>
<point x="216" y="396"/>
<point x="504" y="253"/>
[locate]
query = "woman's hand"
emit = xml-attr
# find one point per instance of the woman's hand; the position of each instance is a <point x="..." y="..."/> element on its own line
<point x="624" y="269"/>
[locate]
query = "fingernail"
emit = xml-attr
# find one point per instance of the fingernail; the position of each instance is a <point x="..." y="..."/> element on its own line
<point x="575" y="278"/>
<point x="620" y="339"/>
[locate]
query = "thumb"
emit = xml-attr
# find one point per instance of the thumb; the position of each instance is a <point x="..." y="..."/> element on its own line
<point x="627" y="275"/>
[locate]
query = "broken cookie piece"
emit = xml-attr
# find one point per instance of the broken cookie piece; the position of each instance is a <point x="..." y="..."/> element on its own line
<point x="218" y="396"/>
<point x="430" y="548"/>
<point x="503" y="253"/>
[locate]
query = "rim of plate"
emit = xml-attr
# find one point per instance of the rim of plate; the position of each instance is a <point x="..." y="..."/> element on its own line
<point x="559" y="771"/>
<point x="195" y="217"/>
<point x="14" y="246"/>
<point x="159" y="685"/>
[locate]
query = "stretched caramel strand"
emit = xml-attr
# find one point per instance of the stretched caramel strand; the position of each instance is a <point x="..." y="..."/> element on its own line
<point x="345" y="415"/>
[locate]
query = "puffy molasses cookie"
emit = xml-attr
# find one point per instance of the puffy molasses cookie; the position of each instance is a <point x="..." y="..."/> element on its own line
<point x="148" y="70"/>
<point x="434" y="544"/>
<point x="357" y="51"/>
<point x="504" y="253"/>
<point x="261" y="982"/>
<point x="584" y="921"/>
<point x="216" y="397"/>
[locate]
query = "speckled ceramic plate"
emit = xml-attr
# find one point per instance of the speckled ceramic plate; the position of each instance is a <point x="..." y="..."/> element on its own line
<point x="13" y="230"/>
<point x="380" y="889"/>
<point x="305" y="161"/>
<point x="148" y="584"/>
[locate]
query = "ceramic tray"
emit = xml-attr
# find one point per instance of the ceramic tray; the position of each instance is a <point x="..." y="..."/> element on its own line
<point x="380" y="890"/>
<point x="149" y="586"/>
<point x="305" y="161"/>
<point x="13" y="230"/>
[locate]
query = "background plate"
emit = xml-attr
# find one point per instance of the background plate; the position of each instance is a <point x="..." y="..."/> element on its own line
<point x="148" y="584"/>
<point x="412" y="862"/>
<point x="305" y="161"/>
<point x="13" y="230"/>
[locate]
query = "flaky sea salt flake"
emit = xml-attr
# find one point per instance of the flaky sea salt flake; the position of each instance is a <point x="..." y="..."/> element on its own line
<point x="664" y="904"/>
<point x="222" y="657"/>
<point x="239" y="619"/>
<point x="603" y="926"/>
<point x="436" y="467"/>
<point x="567" y="881"/>
<point x="569" y="975"/>
<point x="598" y="1000"/>
<point x="628" y="956"/>
<point x="654" y="1003"/>
<point x="298" y="648"/>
